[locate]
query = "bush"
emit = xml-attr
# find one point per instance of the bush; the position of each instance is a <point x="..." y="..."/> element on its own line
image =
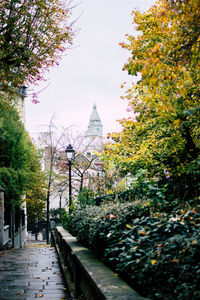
<point x="86" y="197"/>
<point x="157" y="253"/>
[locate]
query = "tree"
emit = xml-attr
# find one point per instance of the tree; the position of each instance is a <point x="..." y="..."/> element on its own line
<point x="36" y="191"/>
<point x="14" y="154"/>
<point x="20" y="172"/>
<point x="85" y="165"/>
<point x="163" y="133"/>
<point x="82" y="163"/>
<point x="54" y="167"/>
<point x="33" y="36"/>
<point x="85" y="159"/>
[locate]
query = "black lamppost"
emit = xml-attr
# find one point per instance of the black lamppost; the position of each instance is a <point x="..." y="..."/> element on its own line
<point x="60" y="191"/>
<point x="70" y="155"/>
<point x="23" y="90"/>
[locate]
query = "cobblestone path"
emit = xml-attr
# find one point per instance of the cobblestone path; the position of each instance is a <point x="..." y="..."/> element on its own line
<point x="32" y="272"/>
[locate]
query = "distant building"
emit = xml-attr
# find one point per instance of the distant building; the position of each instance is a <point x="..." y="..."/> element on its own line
<point x="95" y="127"/>
<point x="94" y="134"/>
<point x="94" y="142"/>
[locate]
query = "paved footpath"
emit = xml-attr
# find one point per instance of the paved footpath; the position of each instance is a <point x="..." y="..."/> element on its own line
<point x="31" y="272"/>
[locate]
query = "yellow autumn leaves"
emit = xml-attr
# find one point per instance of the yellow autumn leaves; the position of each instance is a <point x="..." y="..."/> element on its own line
<point x="161" y="132"/>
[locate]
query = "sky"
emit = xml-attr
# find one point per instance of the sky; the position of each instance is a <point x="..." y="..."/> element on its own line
<point x="89" y="72"/>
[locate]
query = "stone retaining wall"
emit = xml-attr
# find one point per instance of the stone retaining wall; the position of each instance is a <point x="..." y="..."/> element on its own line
<point x="86" y="276"/>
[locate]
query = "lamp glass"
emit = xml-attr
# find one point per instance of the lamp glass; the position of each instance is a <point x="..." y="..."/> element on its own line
<point x="60" y="191"/>
<point x="69" y="152"/>
<point x="70" y="155"/>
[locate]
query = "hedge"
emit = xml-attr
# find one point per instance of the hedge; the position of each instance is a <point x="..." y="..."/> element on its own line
<point x="157" y="253"/>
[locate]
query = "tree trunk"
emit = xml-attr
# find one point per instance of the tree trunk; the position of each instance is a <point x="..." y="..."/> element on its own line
<point x="47" y="224"/>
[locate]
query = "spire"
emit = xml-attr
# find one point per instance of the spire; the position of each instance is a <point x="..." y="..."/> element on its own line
<point x="95" y="127"/>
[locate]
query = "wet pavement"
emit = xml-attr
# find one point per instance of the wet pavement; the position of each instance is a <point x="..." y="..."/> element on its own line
<point x="31" y="272"/>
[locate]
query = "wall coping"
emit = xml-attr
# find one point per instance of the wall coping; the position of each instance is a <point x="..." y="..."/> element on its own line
<point x="102" y="278"/>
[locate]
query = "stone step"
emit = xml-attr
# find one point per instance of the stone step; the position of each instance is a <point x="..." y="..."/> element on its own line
<point x="30" y="273"/>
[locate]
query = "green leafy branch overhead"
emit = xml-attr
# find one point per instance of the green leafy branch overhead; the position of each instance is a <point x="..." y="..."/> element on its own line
<point x="33" y="36"/>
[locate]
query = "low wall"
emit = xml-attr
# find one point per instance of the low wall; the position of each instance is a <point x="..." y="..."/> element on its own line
<point x="1" y="218"/>
<point x="6" y="235"/>
<point x="85" y="274"/>
<point x="20" y="238"/>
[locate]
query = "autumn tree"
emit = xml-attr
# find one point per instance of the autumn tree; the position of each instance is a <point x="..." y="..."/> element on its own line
<point x="33" y="36"/>
<point x="162" y="135"/>
<point x="36" y="190"/>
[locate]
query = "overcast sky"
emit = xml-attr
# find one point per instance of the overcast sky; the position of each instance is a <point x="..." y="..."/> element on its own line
<point x="91" y="71"/>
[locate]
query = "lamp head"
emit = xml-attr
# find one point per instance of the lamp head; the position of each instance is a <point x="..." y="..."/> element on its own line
<point x="60" y="191"/>
<point x="69" y="152"/>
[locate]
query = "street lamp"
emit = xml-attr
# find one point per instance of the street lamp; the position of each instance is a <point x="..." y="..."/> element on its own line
<point x="70" y="155"/>
<point x="23" y="90"/>
<point x="60" y="191"/>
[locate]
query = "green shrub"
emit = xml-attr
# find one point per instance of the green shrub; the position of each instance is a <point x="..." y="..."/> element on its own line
<point x="86" y="197"/>
<point x="157" y="253"/>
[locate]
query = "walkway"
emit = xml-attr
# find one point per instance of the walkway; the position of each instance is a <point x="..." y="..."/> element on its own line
<point x="32" y="272"/>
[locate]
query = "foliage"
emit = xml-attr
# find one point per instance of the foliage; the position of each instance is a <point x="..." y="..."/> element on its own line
<point x="157" y="253"/>
<point x="14" y="182"/>
<point x="162" y="135"/>
<point x="35" y="206"/>
<point x="140" y="189"/>
<point x="13" y="152"/>
<point x="86" y="197"/>
<point x="19" y="165"/>
<point x="33" y="35"/>
<point x="55" y="213"/>
<point x="35" y="193"/>
<point x="89" y="223"/>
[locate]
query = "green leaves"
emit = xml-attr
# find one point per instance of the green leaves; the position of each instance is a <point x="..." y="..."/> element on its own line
<point x="33" y="35"/>
<point x="162" y="132"/>
<point x="157" y="253"/>
<point x="20" y="169"/>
